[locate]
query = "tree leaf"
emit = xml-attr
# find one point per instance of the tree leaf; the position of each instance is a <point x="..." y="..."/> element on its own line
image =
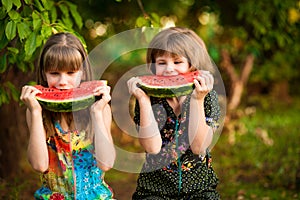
<point x="38" y="5"/>
<point x="10" y="30"/>
<point x="47" y="4"/>
<point x="64" y="9"/>
<point x="13" y="50"/>
<point x="17" y="3"/>
<point x="30" y="45"/>
<point x="46" y="31"/>
<point x="22" y="66"/>
<point x="15" y="16"/>
<point x="53" y="14"/>
<point x="75" y="15"/>
<point x="13" y="91"/>
<point x="3" y="63"/>
<point x="23" y="30"/>
<point x="28" y="2"/>
<point x="2" y="13"/>
<point x="3" y="42"/>
<point x="4" y="98"/>
<point x="3" y="39"/>
<point x="67" y="21"/>
<point x="36" y="20"/>
<point x="141" y="21"/>
<point x="7" y="4"/>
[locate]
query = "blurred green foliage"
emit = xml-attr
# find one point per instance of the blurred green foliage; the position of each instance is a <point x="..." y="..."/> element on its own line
<point x="269" y="30"/>
<point x="24" y="27"/>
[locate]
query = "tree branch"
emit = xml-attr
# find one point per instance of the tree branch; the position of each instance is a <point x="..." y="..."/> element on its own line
<point x="227" y="65"/>
<point x="146" y="16"/>
<point x="247" y="68"/>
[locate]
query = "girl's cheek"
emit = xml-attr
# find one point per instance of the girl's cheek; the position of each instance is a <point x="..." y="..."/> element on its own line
<point x="158" y="71"/>
<point x="78" y="79"/>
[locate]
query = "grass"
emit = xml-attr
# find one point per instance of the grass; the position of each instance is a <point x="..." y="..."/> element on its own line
<point x="259" y="157"/>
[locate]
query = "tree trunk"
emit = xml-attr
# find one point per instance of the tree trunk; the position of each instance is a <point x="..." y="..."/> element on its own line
<point x="237" y="89"/>
<point x="237" y="81"/>
<point x="14" y="131"/>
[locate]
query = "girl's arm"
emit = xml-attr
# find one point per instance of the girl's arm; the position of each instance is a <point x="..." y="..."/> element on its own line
<point x="101" y="122"/>
<point x="37" y="148"/>
<point x="200" y="134"/>
<point x="149" y="135"/>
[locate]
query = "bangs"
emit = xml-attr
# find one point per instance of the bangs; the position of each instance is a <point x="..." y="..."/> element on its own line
<point x="175" y="45"/>
<point x="62" y="58"/>
<point x="160" y="52"/>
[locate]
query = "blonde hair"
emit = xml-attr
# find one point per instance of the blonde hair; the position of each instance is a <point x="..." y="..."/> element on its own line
<point x="177" y="41"/>
<point x="64" y="52"/>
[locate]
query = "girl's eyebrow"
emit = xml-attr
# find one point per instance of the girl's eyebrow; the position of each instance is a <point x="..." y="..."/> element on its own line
<point x="160" y="59"/>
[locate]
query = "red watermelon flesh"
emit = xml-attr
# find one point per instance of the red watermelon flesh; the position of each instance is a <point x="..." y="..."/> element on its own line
<point x="60" y="100"/>
<point x="168" y="86"/>
<point x="169" y="81"/>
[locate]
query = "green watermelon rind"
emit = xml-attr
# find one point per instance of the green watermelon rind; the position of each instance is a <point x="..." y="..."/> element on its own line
<point x="70" y="105"/>
<point x="163" y="92"/>
<point x="67" y="105"/>
<point x="156" y="88"/>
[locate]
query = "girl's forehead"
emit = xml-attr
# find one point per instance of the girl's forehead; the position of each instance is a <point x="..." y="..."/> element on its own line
<point x="167" y="54"/>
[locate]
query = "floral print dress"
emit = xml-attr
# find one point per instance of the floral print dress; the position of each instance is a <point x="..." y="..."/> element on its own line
<point x="175" y="172"/>
<point x="73" y="171"/>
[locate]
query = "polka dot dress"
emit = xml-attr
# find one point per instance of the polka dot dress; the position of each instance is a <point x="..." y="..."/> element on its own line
<point x="175" y="172"/>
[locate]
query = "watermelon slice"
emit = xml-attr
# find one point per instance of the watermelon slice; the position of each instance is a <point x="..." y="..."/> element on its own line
<point x="168" y="86"/>
<point x="68" y="100"/>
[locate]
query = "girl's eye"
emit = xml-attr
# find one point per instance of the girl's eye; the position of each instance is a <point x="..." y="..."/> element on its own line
<point x="71" y="72"/>
<point x="54" y="73"/>
<point x="178" y="62"/>
<point x="161" y="63"/>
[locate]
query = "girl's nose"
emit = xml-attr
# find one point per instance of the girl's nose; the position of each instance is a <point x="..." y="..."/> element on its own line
<point x="169" y="68"/>
<point x="62" y="80"/>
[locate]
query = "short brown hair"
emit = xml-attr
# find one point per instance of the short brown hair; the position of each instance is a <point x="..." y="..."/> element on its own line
<point x="183" y="42"/>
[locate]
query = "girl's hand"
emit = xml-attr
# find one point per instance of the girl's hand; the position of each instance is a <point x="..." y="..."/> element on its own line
<point x="135" y="90"/>
<point x="28" y="94"/>
<point x="104" y="92"/>
<point x="204" y="83"/>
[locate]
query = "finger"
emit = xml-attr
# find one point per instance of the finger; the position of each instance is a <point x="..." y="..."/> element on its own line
<point x="106" y="98"/>
<point x="101" y="90"/>
<point x="204" y="72"/>
<point x="201" y="80"/>
<point x="35" y="92"/>
<point x="197" y="85"/>
<point x="132" y="84"/>
<point x="26" y="91"/>
<point x="208" y="80"/>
